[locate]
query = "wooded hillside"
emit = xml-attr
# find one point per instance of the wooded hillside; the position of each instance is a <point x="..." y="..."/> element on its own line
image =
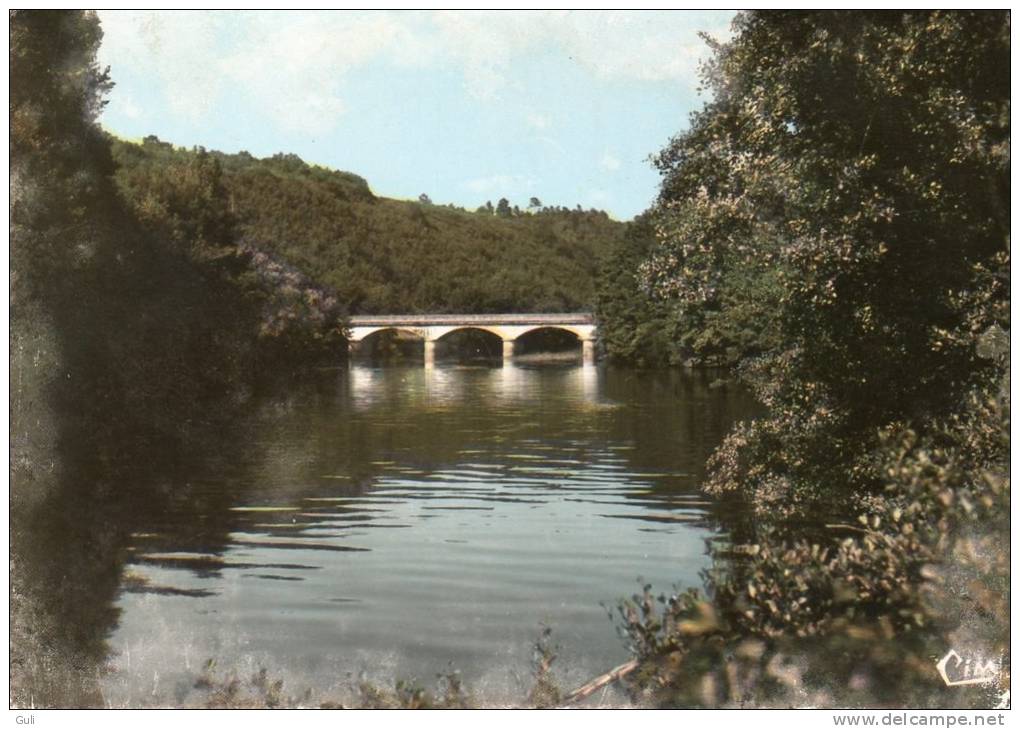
<point x="384" y="256"/>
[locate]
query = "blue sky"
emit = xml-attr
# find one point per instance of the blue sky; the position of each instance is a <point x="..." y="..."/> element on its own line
<point x="565" y="106"/>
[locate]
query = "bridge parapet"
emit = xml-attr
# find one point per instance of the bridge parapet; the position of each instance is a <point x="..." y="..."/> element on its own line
<point x="419" y="320"/>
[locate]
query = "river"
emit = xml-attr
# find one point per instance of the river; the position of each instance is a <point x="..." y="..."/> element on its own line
<point x="387" y="523"/>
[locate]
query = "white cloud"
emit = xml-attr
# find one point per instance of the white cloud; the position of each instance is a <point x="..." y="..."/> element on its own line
<point x="636" y="46"/>
<point x="293" y="64"/>
<point x="618" y="45"/>
<point x="176" y="50"/>
<point x="127" y="106"/>
<point x="609" y="162"/>
<point x="553" y="144"/>
<point x="538" y="121"/>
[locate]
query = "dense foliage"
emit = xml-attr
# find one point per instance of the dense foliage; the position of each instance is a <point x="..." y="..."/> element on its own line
<point x="184" y="200"/>
<point x="838" y="214"/>
<point x="388" y="256"/>
<point x="634" y="327"/>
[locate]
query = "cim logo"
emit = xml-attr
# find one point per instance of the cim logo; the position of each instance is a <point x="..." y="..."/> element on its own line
<point x="958" y="671"/>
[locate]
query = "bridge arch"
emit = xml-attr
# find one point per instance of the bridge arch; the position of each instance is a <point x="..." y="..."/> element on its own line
<point x="388" y="343"/>
<point x="581" y="336"/>
<point x="550" y="340"/>
<point x="369" y="332"/>
<point x="470" y="342"/>
<point x="493" y="330"/>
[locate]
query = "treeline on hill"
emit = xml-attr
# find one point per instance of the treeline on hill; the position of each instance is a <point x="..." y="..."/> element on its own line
<point x="836" y="219"/>
<point x="378" y="255"/>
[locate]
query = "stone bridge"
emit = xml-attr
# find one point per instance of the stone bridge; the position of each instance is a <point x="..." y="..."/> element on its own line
<point x="432" y="327"/>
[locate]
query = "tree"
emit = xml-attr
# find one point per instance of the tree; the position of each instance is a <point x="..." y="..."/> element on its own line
<point x="503" y="208"/>
<point x="534" y="203"/>
<point x="424" y="199"/>
<point x="846" y="193"/>
<point x="62" y="193"/>
<point x="634" y="326"/>
<point x="103" y="323"/>
<point x="854" y="166"/>
<point x="182" y="195"/>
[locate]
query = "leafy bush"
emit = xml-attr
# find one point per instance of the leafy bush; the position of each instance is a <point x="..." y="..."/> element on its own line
<point x="856" y="618"/>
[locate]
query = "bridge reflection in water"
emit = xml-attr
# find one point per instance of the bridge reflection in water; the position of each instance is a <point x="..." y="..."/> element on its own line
<point x="430" y="328"/>
<point x="443" y="387"/>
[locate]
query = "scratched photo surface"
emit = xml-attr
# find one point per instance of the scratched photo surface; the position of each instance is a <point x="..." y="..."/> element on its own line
<point x="432" y="359"/>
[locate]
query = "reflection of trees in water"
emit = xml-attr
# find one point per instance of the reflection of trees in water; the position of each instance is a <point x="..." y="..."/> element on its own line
<point x="70" y="547"/>
<point x="85" y="476"/>
<point x="72" y="535"/>
<point x="428" y="419"/>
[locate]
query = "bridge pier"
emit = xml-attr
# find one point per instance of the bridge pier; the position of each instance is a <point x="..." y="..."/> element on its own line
<point x="430" y="352"/>
<point x="588" y="351"/>
<point x="508" y="350"/>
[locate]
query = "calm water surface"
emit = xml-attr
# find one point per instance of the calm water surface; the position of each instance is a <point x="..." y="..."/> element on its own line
<point x="399" y="522"/>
